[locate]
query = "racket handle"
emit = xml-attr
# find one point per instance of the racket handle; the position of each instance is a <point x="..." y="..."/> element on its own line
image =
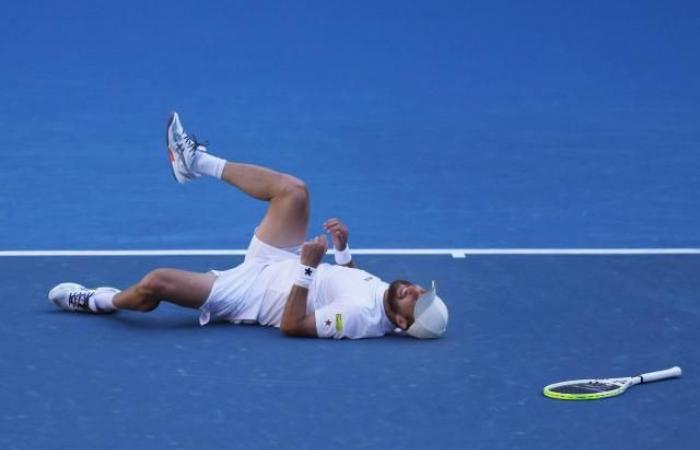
<point x="661" y="374"/>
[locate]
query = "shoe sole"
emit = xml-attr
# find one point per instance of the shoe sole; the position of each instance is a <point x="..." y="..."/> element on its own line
<point x="172" y="156"/>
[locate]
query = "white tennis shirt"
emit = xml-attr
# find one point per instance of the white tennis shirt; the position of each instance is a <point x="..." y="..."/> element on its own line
<point x="347" y="303"/>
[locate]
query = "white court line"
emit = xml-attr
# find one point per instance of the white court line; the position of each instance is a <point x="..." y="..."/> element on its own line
<point x="454" y="252"/>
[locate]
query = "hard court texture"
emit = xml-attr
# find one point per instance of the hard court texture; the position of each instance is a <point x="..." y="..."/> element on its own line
<point x="481" y="124"/>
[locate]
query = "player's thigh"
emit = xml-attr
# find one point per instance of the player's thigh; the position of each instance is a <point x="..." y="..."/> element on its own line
<point x="287" y="218"/>
<point x="188" y="289"/>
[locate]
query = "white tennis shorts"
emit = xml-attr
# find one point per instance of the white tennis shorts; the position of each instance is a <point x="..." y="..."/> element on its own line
<point x="229" y="298"/>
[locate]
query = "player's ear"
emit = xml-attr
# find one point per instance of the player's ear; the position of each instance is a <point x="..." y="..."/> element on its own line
<point x="401" y="321"/>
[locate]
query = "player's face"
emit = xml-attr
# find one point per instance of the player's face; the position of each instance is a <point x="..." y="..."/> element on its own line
<point x="402" y="298"/>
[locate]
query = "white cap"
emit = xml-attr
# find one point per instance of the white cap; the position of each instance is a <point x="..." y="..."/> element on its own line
<point x="430" y="316"/>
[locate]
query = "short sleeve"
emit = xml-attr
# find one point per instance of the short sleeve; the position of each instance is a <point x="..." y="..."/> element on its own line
<point x="342" y="320"/>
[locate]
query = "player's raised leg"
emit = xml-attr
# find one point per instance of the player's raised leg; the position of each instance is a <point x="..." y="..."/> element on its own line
<point x="287" y="217"/>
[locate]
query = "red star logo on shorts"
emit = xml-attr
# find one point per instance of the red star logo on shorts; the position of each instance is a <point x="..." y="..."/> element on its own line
<point x="328" y="322"/>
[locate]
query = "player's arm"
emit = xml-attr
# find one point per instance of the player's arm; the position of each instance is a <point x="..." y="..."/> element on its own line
<point x="295" y="321"/>
<point x="340" y="233"/>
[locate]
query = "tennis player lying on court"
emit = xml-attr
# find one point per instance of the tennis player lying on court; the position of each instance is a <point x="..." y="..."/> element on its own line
<point x="282" y="281"/>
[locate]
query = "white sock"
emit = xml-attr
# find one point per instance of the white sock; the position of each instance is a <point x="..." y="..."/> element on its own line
<point x="207" y="164"/>
<point x="103" y="299"/>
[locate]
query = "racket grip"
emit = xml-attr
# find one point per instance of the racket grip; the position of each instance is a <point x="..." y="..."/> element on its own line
<point x="661" y="374"/>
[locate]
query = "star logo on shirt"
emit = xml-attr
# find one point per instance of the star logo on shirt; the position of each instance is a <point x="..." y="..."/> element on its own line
<point x="308" y="271"/>
<point x="328" y="323"/>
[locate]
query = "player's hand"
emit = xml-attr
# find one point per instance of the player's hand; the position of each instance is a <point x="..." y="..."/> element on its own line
<point x="339" y="232"/>
<point x="313" y="251"/>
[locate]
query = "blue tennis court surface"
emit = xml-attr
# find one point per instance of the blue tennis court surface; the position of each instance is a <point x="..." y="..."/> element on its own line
<point x="438" y="125"/>
<point x="518" y="323"/>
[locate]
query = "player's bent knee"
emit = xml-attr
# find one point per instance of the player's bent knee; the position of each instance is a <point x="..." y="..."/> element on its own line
<point x="296" y="192"/>
<point x="294" y="186"/>
<point x="155" y="284"/>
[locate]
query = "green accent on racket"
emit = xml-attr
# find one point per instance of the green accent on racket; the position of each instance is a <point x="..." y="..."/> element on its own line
<point x="593" y="389"/>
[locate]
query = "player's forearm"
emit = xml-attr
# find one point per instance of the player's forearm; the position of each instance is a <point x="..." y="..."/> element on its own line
<point x="295" y="322"/>
<point x="295" y="310"/>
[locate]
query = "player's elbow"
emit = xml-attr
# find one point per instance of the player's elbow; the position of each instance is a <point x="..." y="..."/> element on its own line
<point x="290" y="329"/>
<point x="299" y="328"/>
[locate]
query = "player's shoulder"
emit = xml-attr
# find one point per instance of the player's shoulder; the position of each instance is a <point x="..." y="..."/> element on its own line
<point x="351" y="306"/>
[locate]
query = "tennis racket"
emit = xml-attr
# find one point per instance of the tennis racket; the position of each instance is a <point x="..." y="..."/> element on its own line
<point x="594" y="389"/>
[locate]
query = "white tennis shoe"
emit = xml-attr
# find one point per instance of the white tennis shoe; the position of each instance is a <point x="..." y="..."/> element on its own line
<point x="76" y="297"/>
<point x="182" y="149"/>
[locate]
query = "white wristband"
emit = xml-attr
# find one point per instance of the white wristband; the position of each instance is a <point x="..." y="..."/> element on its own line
<point x="305" y="276"/>
<point x="343" y="257"/>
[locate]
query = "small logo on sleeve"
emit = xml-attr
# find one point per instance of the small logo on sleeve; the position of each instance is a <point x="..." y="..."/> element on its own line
<point x="338" y="322"/>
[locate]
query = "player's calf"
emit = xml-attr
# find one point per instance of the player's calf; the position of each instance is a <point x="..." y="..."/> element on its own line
<point x="187" y="289"/>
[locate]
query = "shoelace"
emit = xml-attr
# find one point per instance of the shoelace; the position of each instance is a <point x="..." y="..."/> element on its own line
<point x="80" y="299"/>
<point x="192" y="140"/>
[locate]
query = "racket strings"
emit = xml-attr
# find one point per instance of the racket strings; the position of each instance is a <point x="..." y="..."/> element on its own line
<point x="591" y="387"/>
